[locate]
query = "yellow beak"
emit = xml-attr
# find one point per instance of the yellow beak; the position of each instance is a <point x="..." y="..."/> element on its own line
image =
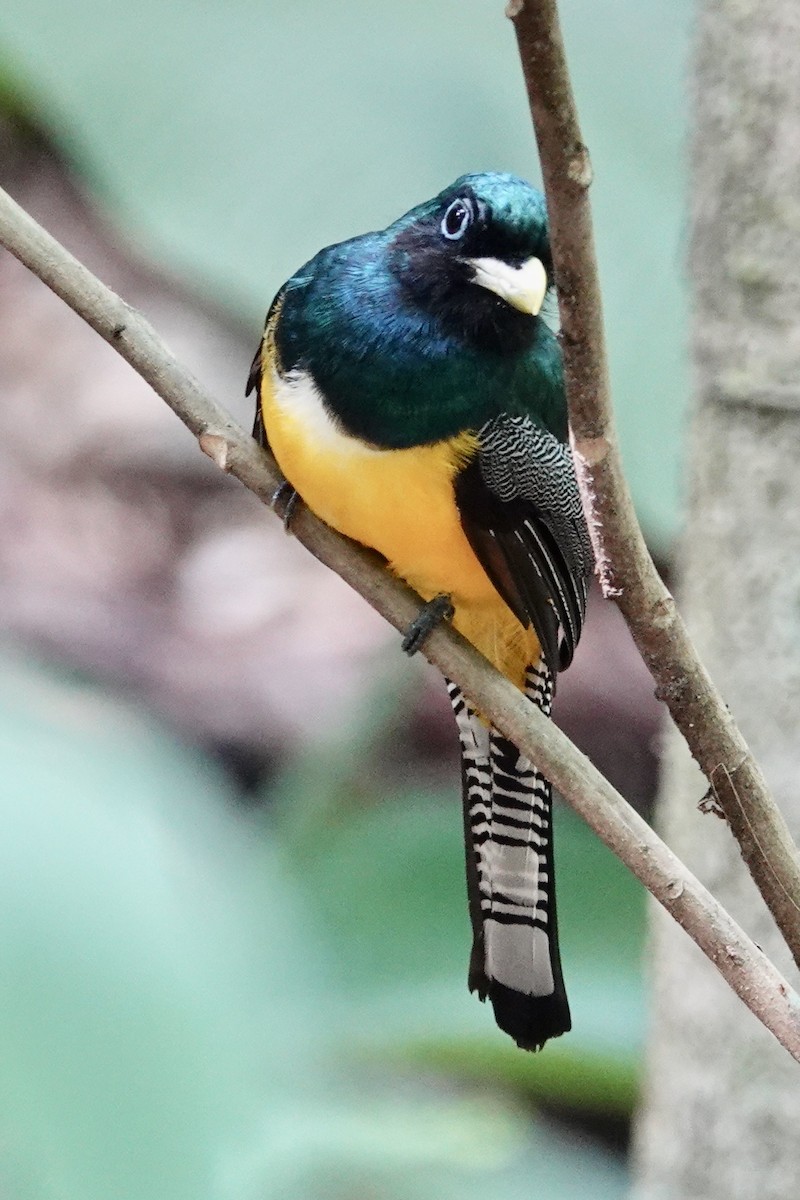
<point x="522" y="287"/>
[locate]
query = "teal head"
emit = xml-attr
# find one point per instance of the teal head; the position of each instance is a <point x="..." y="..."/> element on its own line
<point x="415" y="332"/>
<point x="477" y="257"/>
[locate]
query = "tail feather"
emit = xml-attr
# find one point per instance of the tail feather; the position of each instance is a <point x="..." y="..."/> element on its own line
<point x="509" y="842"/>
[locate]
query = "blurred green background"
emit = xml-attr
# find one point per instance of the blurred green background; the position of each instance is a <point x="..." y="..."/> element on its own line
<point x="237" y="138"/>
<point x="206" y="999"/>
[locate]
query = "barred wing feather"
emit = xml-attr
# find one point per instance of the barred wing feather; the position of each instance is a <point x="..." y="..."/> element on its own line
<point x="520" y="508"/>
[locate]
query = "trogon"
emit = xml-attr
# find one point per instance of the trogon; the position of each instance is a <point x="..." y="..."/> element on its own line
<point x="413" y="396"/>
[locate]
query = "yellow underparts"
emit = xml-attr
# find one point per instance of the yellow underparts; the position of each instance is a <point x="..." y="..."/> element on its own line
<point x="400" y="502"/>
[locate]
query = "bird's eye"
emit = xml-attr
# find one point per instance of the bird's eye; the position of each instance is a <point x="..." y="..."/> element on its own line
<point x="457" y="220"/>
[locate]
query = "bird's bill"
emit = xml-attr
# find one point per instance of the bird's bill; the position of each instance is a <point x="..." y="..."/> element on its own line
<point x="522" y="287"/>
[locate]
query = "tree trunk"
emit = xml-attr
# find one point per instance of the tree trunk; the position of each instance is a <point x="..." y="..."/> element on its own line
<point x="721" y="1114"/>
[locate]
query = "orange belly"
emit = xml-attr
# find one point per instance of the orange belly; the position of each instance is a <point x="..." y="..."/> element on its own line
<point x="401" y="502"/>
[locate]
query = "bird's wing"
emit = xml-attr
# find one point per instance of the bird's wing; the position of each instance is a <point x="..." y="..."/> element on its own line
<point x="266" y="349"/>
<point x="521" y="511"/>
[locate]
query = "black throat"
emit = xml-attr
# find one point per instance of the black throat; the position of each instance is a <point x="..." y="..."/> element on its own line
<point x="442" y="286"/>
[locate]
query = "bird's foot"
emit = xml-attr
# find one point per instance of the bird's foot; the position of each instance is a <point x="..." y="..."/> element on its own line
<point x="283" y="502"/>
<point x="432" y="613"/>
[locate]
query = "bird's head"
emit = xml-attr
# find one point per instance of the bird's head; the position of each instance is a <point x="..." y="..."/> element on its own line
<point x="477" y="257"/>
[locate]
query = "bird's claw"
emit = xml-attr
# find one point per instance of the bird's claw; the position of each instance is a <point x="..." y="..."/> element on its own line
<point x="286" y="490"/>
<point x="432" y="613"/>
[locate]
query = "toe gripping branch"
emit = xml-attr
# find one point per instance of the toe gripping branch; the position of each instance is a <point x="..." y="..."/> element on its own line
<point x="432" y="613"/>
<point x="283" y="502"/>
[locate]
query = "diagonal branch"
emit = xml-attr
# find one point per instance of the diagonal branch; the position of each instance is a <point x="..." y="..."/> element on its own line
<point x="626" y="570"/>
<point x="751" y="975"/>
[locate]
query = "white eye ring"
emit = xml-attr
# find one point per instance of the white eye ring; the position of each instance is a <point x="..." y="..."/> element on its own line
<point x="457" y="220"/>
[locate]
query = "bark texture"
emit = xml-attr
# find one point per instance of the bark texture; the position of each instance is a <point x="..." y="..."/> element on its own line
<point x="622" y="562"/>
<point x="722" y="1103"/>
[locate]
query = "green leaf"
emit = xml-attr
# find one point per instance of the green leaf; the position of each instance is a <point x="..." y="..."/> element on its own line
<point x="171" y="1023"/>
<point x="388" y="885"/>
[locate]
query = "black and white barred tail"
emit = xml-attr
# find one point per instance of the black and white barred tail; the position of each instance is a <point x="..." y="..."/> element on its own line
<point x="509" y="847"/>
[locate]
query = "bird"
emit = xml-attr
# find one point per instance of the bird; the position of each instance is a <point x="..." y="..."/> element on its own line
<point x="413" y="396"/>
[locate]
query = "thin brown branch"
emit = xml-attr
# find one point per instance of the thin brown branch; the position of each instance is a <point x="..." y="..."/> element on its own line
<point x="626" y="570"/>
<point x="751" y="975"/>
